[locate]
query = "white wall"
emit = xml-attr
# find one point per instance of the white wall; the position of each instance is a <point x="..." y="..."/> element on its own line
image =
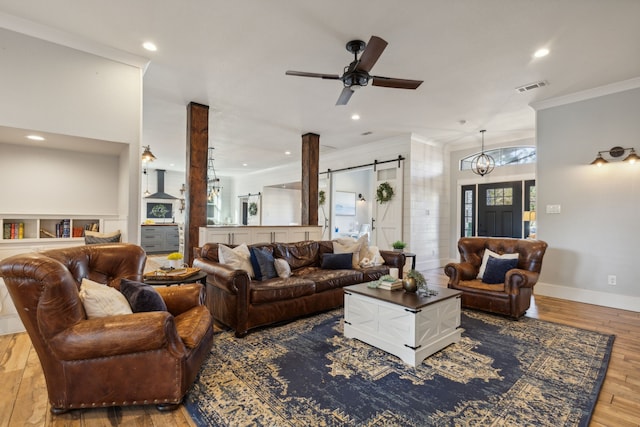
<point x="596" y="233"/>
<point x="280" y="206"/>
<point x="49" y="88"/>
<point x="427" y="204"/>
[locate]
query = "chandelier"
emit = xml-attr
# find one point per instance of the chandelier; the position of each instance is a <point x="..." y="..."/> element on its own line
<point x="483" y="163"/>
<point x="213" y="182"/>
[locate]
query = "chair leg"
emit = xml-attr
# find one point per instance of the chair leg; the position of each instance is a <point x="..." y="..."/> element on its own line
<point x="167" y="407"/>
<point x="59" y="411"/>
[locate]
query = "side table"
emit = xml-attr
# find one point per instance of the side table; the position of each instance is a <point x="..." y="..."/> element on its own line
<point x="199" y="277"/>
<point x="413" y="259"/>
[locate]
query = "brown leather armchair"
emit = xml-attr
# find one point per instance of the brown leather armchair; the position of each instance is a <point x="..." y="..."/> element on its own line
<point x="511" y="298"/>
<point x="131" y="359"/>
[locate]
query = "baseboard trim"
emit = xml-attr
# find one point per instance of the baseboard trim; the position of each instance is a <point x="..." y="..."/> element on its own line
<point x="623" y="302"/>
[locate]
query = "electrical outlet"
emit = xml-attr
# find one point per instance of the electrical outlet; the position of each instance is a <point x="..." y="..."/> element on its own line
<point x="611" y="280"/>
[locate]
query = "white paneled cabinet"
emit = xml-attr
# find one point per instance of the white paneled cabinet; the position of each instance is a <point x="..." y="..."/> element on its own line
<point x="259" y="234"/>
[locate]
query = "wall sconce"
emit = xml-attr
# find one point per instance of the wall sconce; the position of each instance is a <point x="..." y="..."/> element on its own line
<point x="616" y="152"/>
<point x="181" y="208"/>
<point x="360" y="198"/>
<point x="183" y="189"/>
<point x="147" y="155"/>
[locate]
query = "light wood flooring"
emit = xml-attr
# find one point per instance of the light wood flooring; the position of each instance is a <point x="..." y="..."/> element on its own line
<point x="23" y="395"/>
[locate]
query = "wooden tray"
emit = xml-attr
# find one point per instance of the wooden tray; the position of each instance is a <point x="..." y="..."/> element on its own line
<point x="175" y="274"/>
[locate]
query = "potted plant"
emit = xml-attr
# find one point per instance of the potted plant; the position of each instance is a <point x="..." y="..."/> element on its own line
<point x="398" y="245"/>
<point x="413" y="281"/>
<point x="175" y="260"/>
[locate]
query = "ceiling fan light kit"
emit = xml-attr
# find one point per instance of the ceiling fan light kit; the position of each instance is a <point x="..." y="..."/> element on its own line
<point x="356" y="74"/>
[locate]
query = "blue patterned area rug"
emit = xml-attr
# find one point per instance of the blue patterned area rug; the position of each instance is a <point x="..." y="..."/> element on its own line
<point x="306" y="373"/>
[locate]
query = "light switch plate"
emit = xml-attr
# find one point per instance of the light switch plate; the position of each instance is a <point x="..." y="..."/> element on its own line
<point x="553" y="209"/>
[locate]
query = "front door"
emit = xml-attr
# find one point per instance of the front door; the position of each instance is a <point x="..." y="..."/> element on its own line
<point x="500" y="209"/>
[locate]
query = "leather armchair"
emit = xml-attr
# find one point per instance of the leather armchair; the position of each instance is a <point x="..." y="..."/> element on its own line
<point x="511" y="298"/>
<point x="131" y="359"/>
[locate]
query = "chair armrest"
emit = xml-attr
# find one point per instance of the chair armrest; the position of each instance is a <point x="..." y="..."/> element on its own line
<point x="118" y="335"/>
<point x="182" y="298"/>
<point x="458" y="271"/>
<point x="517" y="278"/>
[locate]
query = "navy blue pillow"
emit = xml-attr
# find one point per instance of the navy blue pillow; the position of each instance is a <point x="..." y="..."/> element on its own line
<point x="262" y="263"/>
<point x="337" y="261"/>
<point x="497" y="269"/>
<point x="141" y="297"/>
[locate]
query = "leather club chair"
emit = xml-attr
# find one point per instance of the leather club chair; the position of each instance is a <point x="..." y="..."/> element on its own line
<point x="131" y="359"/>
<point x="511" y="298"/>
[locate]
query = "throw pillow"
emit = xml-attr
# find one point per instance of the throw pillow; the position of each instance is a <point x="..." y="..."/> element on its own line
<point x="497" y="269"/>
<point x="142" y="297"/>
<point x="282" y="268"/>
<point x="262" y="263"/>
<point x="485" y="258"/>
<point x="349" y="248"/>
<point x="337" y="261"/>
<point x="94" y="237"/>
<point x="238" y="258"/>
<point x="102" y="300"/>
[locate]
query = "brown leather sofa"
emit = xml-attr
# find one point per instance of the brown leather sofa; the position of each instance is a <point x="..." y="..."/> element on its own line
<point x="130" y="359"/>
<point x="511" y="298"/>
<point x="242" y="304"/>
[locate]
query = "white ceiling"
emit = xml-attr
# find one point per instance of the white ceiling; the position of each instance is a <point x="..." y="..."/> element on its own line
<point x="232" y="56"/>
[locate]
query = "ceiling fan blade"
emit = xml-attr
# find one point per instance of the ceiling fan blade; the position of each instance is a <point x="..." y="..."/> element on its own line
<point x="344" y="97"/>
<point x="371" y="53"/>
<point x="396" y="83"/>
<point x="319" y="75"/>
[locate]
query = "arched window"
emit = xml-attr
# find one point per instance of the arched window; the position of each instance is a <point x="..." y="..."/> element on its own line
<point x="504" y="157"/>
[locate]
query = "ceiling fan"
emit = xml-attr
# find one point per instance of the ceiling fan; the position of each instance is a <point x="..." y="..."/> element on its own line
<point x="357" y="74"/>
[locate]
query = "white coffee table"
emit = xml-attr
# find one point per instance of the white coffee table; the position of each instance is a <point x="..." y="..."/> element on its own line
<point x="404" y="324"/>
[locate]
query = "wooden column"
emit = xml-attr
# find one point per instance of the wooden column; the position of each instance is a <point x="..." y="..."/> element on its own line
<point x="310" y="170"/>
<point x="197" y="149"/>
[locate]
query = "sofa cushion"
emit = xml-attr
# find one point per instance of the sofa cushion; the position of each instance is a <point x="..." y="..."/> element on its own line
<point x="489" y="253"/>
<point x="299" y="254"/>
<point x="142" y="297"/>
<point x="282" y="268"/>
<point x="331" y="279"/>
<point x="94" y="237"/>
<point x="373" y="272"/>
<point x="102" y="300"/>
<point x="476" y="284"/>
<point x="497" y="269"/>
<point x="262" y="263"/>
<point x="238" y="258"/>
<point x="336" y="261"/>
<point x="278" y="289"/>
<point x="352" y="248"/>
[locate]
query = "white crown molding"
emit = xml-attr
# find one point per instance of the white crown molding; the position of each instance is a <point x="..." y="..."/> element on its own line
<point x="62" y="38"/>
<point x="587" y="94"/>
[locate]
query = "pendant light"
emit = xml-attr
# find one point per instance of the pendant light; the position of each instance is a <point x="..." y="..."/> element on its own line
<point x="483" y="163"/>
<point x="147" y="155"/>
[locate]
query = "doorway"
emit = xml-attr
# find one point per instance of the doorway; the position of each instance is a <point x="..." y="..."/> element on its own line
<point x="493" y="210"/>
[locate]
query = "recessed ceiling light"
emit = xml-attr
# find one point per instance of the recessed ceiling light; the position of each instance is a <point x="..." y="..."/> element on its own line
<point x="244" y="164"/>
<point x="355" y="117"/>
<point x="150" y="46"/>
<point x="287" y="153"/>
<point x="35" y="137"/>
<point x="541" y="52"/>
